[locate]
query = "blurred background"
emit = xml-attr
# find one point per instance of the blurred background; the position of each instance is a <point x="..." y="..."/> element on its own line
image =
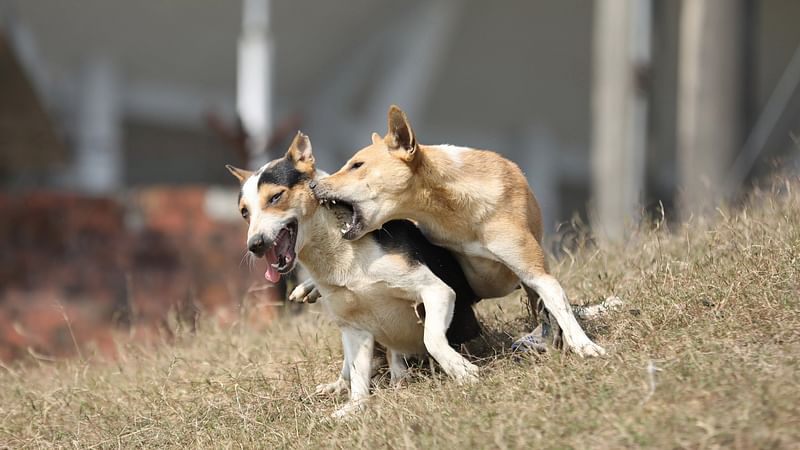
<point x="117" y="117"/>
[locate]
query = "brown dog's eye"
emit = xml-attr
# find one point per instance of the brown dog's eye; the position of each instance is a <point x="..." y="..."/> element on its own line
<point x="245" y="213"/>
<point x="356" y="165"/>
<point x="274" y="199"/>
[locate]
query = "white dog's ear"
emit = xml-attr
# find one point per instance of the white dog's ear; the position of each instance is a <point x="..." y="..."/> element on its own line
<point x="300" y="152"/>
<point x="376" y="138"/>
<point x="400" y="136"/>
<point x="240" y="174"/>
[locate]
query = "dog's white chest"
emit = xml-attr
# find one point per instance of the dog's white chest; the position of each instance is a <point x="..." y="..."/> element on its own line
<point x="391" y="320"/>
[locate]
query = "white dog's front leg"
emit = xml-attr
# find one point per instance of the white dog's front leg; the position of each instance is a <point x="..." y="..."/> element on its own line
<point x="439" y="301"/>
<point x="360" y="345"/>
<point x="342" y="384"/>
<point x="305" y="292"/>
<point x="397" y="367"/>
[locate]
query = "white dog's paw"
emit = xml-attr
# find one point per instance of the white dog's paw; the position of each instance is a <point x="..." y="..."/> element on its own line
<point x="399" y="378"/>
<point x="588" y="349"/>
<point x="304" y="292"/>
<point x="336" y="388"/>
<point x="298" y="293"/>
<point x="399" y="383"/>
<point x="350" y="409"/>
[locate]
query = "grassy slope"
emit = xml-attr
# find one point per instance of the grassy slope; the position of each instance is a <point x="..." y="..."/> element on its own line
<point x="713" y="307"/>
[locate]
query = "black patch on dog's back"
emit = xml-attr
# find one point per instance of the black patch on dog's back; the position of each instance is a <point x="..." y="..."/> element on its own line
<point x="402" y="236"/>
<point x="283" y="173"/>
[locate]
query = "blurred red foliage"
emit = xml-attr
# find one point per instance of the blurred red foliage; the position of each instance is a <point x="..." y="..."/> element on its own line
<point x="73" y="268"/>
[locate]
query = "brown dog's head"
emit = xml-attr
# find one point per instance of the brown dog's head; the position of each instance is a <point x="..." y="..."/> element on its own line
<point x="273" y="200"/>
<point x="373" y="182"/>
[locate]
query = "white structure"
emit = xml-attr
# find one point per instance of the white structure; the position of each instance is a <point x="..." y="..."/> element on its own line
<point x="619" y="113"/>
<point x="254" y="79"/>
<point x="518" y="77"/>
<point x="99" y="158"/>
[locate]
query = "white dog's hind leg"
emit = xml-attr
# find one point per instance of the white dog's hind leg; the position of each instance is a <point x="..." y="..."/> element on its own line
<point x="397" y="368"/>
<point x="360" y="345"/>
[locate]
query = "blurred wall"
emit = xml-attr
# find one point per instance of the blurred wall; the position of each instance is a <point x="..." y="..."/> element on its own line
<point x="513" y="76"/>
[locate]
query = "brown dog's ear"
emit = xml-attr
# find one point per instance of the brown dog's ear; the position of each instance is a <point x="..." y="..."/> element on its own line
<point x="240" y="174"/>
<point x="300" y="153"/>
<point x="400" y="136"/>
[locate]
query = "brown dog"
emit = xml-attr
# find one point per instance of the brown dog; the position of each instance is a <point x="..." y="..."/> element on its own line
<point x="474" y="202"/>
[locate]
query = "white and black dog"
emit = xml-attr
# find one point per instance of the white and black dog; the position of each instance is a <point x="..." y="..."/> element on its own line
<point x="377" y="288"/>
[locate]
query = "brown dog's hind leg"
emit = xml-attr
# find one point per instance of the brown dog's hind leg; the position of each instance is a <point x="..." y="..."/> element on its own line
<point x="523" y="255"/>
<point x="549" y="328"/>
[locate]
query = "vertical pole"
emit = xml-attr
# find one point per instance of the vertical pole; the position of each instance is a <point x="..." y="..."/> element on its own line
<point x="622" y="31"/>
<point x="98" y="162"/>
<point x="709" y="99"/>
<point x="254" y="79"/>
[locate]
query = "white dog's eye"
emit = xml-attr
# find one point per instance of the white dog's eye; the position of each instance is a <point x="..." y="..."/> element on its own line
<point x="245" y="213"/>
<point x="274" y="199"/>
<point x="356" y="165"/>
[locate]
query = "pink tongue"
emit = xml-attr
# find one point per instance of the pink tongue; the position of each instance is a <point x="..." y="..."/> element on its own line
<point x="272" y="274"/>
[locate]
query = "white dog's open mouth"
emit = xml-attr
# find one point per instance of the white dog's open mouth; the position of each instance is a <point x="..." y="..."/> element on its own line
<point x="281" y="256"/>
<point x="350" y="219"/>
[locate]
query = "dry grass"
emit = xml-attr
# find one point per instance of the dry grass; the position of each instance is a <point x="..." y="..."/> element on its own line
<point x="712" y="310"/>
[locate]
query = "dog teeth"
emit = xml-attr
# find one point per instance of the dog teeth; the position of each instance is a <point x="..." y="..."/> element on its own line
<point x="333" y="201"/>
<point x="275" y="265"/>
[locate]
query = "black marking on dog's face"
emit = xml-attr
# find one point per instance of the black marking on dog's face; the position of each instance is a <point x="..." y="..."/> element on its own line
<point x="282" y="173"/>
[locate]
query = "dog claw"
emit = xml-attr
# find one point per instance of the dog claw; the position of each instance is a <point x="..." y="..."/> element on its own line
<point x="336" y="388"/>
<point x="312" y="296"/>
<point x="305" y="292"/>
<point x="350" y="409"/>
